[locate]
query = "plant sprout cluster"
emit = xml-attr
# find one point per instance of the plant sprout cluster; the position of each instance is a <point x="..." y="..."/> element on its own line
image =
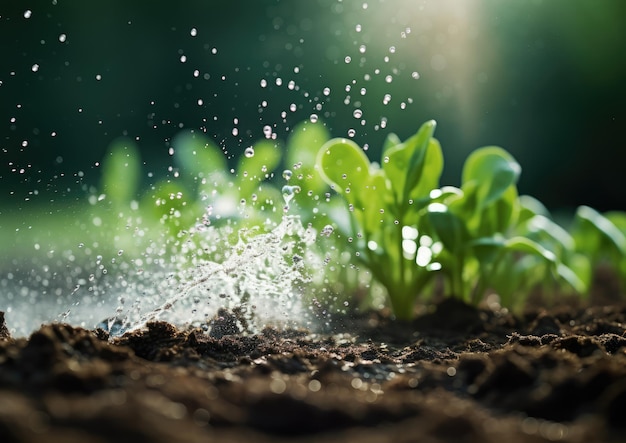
<point x="481" y="237"/>
<point x="266" y="228"/>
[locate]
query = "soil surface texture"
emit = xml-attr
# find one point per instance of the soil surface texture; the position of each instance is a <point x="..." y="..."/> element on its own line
<point x="455" y="374"/>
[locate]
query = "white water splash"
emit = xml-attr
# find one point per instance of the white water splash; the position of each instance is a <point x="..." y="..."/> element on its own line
<point x="263" y="276"/>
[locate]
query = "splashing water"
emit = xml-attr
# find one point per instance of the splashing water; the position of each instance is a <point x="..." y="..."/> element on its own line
<point x="262" y="276"/>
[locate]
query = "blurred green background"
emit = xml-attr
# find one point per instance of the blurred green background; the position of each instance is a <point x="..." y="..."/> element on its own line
<point x="543" y="79"/>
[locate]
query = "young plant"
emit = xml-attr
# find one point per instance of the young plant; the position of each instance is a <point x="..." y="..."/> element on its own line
<point x="601" y="239"/>
<point x="383" y="208"/>
<point x="478" y="228"/>
<point x="403" y="227"/>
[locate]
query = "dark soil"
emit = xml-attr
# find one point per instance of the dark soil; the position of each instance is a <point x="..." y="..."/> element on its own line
<point x="456" y="374"/>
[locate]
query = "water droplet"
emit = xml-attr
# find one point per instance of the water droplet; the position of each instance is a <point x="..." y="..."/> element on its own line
<point x="287" y="174"/>
<point x="357" y="113"/>
<point x="389" y="79"/>
<point x="313" y="118"/>
<point x="362" y="49"/>
<point x="28" y="13"/>
<point x="249" y="152"/>
<point x="351" y="132"/>
<point x="193" y="32"/>
<point x="35" y="67"/>
<point x="327" y="231"/>
<point x="415" y="75"/>
<point x="348" y="59"/>
<point x="326" y="91"/>
<point x="263" y="83"/>
<point x="267" y="131"/>
<point x="62" y="38"/>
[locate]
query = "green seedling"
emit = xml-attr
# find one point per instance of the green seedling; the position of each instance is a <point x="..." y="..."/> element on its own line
<point x="485" y="233"/>
<point x="383" y="208"/>
<point x="403" y="227"/>
<point x="601" y="238"/>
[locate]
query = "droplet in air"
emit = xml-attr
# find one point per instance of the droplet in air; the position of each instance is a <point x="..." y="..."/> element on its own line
<point x="288" y="194"/>
<point x="357" y="113"/>
<point x="313" y="118"/>
<point x="326" y="231"/>
<point x="415" y="75"/>
<point x="28" y="13"/>
<point x="193" y="32"/>
<point x="249" y="152"/>
<point x="287" y="174"/>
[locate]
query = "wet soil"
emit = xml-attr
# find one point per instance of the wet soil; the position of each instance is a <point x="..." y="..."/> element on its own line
<point x="455" y="374"/>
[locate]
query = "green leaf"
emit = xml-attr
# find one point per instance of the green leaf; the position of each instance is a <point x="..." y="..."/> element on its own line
<point x="572" y="278"/>
<point x="253" y="169"/>
<point x="493" y="170"/>
<point x="529" y="207"/>
<point x="376" y="190"/>
<point x="344" y="165"/>
<point x="498" y="216"/>
<point x="487" y="249"/>
<point x="618" y="218"/>
<point x="549" y="234"/>
<point x="425" y="163"/>
<point x="527" y="246"/>
<point x="414" y="167"/>
<point x="597" y="235"/>
<point x="120" y="172"/>
<point x="390" y="141"/>
<point x="197" y="155"/>
<point x="302" y="147"/>
<point x="447" y="227"/>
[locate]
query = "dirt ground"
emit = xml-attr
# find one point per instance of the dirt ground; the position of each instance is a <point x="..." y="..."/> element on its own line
<point x="455" y="374"/>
